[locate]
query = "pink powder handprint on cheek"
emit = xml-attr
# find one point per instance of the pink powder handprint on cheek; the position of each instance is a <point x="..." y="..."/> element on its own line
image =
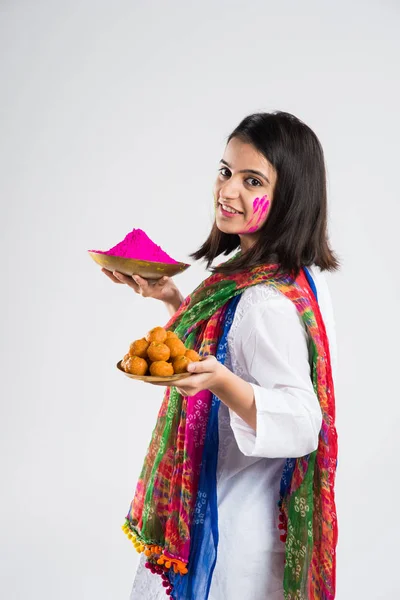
<point x="260" y="209"/>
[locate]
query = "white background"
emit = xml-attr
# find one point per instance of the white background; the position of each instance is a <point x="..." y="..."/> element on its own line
<point x="114" y="115"/>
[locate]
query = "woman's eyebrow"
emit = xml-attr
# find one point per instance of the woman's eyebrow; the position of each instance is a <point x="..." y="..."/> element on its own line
<point x="247" y="170"/>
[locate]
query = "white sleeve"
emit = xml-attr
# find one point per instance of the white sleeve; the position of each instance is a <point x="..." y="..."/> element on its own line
<point x="272" y="345"/>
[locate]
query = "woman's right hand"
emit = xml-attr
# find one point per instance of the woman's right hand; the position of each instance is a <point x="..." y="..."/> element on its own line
<point x="163" y="289"/>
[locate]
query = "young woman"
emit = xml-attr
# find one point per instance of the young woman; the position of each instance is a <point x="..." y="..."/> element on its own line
<point x="236" y="496"/>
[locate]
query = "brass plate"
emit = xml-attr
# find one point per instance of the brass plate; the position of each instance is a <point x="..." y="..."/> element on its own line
<point x="152" y="378"/>
<point x="128" y="266"/>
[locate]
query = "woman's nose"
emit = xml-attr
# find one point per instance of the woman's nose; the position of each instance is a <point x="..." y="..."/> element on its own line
<point x="230" y="189"/>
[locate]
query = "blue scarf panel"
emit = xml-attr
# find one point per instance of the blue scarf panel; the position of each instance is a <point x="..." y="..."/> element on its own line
<point x="204" y="532"/>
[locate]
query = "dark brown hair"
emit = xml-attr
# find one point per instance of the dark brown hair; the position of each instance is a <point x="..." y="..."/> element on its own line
<point x="295" y="233"/>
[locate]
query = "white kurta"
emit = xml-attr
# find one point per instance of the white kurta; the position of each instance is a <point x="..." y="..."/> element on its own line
<point x="267" y="346"/>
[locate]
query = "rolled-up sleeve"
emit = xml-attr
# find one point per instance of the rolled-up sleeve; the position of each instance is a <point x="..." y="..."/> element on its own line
<point x="271" y="344"/>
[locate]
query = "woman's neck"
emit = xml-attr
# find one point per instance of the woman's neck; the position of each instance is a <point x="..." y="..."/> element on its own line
<point x="247" y="241"/>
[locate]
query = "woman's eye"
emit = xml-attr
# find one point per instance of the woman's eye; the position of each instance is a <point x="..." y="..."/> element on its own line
<point x="252" y="179"/>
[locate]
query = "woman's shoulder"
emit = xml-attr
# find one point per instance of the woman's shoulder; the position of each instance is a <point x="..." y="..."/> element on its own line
<point x="267" y="302"/>
<point x="261" y="297"/>
<point x="257" y="293"/>
<point x="263" y="291"/>
<point x="261" y="304"/>
<point x="262" y="294"/>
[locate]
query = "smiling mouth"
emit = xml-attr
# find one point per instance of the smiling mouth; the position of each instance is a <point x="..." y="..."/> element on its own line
<point x="229" y="209"/>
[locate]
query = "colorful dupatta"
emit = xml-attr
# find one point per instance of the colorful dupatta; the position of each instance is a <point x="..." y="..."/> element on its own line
<point x="173" y="516"/>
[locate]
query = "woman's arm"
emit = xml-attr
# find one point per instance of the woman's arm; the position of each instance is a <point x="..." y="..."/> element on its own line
<point x="173" y="304"/>
<point x="271" y="345"/>
<point x="238" y="395"/>
<point x="164" y="289"/>
<point x="277" y="414"/>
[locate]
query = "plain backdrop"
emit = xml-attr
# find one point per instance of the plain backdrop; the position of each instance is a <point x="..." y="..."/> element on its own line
<point x="114" y="115"/>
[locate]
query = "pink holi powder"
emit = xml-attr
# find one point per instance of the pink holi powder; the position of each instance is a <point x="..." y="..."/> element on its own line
<point x="137" y="245"/>
<point x="260" y="207"/>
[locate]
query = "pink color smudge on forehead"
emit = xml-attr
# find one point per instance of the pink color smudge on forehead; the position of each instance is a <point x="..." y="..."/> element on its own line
<point x="137" y="245"/>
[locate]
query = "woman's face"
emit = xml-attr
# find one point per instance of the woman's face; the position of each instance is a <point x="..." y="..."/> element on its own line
<point x="245" y="185"/>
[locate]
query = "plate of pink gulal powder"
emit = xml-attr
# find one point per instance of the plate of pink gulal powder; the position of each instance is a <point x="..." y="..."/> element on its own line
<point x="137" y="254"/>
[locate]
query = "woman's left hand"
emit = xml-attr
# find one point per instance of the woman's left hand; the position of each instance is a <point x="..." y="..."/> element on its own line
<point x="207" y="374"/>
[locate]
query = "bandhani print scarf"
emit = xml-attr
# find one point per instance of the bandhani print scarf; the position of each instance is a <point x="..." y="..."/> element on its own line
<point x="173" y="517"/>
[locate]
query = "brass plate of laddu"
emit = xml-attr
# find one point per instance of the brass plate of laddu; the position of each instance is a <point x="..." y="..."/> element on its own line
<point x="153" y="378"/>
